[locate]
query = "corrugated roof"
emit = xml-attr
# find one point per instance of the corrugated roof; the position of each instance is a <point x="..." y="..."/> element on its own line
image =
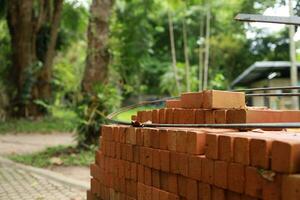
<point x="261" y="70"/>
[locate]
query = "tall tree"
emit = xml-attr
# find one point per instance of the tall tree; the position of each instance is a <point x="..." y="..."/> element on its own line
<point x="33" y="27"/>
<point x="97" y="55"/>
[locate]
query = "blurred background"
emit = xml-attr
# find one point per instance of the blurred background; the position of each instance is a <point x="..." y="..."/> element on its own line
<point x="65" y="64"/>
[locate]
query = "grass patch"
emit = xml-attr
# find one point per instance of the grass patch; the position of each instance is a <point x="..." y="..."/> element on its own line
<point x="59" y="155"/>
<point x="61" y="120"/>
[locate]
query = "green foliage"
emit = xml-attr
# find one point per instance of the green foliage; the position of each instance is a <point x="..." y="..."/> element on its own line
<point x="61" y="120"/>
<point x="59" y="155"/>
<point x="92" y="111"/>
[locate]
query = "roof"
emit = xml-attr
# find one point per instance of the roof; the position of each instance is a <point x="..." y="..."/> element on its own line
<point x="261" y="70"/>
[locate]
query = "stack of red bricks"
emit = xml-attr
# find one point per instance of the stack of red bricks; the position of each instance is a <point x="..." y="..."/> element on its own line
<point x="214" y="107"/>
<point x="205" y="164"/>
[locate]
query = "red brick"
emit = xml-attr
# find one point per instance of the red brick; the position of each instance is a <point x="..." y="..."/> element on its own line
<point x="155" y="193"/>
<point x="148" y="176"/>
<point x="129" y="152"/>
<point x="199" y="116"/>
<point x="164" y="160"/>
<point x="241" y="150"/>
<point x="148" y="156"/>
<point x="95" y="171"/>
<point x="163" y="195"/>
<point x="174" y="168"/>
<point x="184" y="116"/>
<point x="207" y="171"/>
<point x="155" y="138"/>
<point x="89" y="195"/>
<point x="163" y="139"/>
<point x="95" y="187"/>
<point x="171" y="140"/>
<point x="156" y="159"/>
<point x="122" y="185"/>
<point x="290" y="116"/>
<point x="183" y="163"/>
<point x="286" y="156"/>
<point x="169" y="116"/>
<point x="107" y="132"/>
<point x="272" y="189"/>
<point x="182" y="183"/>
<point x="291" y="187"/>
<point x="192" y="189"/>
<point x="121" y="168"/>
<point x="195" y="167"/>
<point x="233" y="196"/>
<point x="213" y="99"/>
<point x="173" y="183"/>
<point x="173" y="103"/>
<point x="155" y="178"/>
<point x="139" y="137"/>
<point x="196" y="143"/>
<point x="118" y="150"/>
<point x="141" y="190"/>
<point x="218" y="194"/>
<point x="221" y="174"/>
<point x="148" y="116"/>
<point x="253" y="183"/>
<point x="220" y="116"/>
<point x="162" y="116"/>
<point x="211" y="150"/>
<point x="205" y="191"/>
<point x="260" y="151"/>
<point x="136" y="154"/>
<point x="122" y="132"/>
<point x="127" y="169"/>
<point x="253" y="116"/>
<point x="148" y="193"/>
<point x="173" y="197"/>
<point x="142" y="155"/>
<point x="209" y="116"/>
<point x="131" y="188"/>
<point x="155" y="116"/>
<point x="139" y="116"/>
<point x="181" y="141"/>
<point x="116" y="134"/>
<point x="192" y="100"/>
<point x="134" y="171"/>
<point x="236" y="177"/>
<point x="225" y="145"/>
<point x="147" y="137"/>
<point x="141" y="173"/>
<point x="164" y="181"/>
<point x="245" y="197"/>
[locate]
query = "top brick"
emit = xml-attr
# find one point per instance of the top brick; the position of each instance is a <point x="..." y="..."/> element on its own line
<point x="215" y="99"/>
<point x="192" y="100"/>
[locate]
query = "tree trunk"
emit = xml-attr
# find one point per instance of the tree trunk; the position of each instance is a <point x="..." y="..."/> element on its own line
<point x="206" y="61"/>
<point x="25" y="20"/>
<point x="186" y="57"/>
<point x="19" y="18"/>
<point x="200" y="67"/>
<point x="97" y="62"/>
<point x="44" y="79"/>
<point x="173" y="52"/>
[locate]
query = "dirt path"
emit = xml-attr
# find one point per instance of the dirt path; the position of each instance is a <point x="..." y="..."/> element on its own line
<point x="29" y="143"/>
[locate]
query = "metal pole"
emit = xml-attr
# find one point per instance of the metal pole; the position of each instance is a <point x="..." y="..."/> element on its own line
<point x="294" y="70"/>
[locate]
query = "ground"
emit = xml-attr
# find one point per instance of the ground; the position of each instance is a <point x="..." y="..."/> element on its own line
<point x="14" y="144"/>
